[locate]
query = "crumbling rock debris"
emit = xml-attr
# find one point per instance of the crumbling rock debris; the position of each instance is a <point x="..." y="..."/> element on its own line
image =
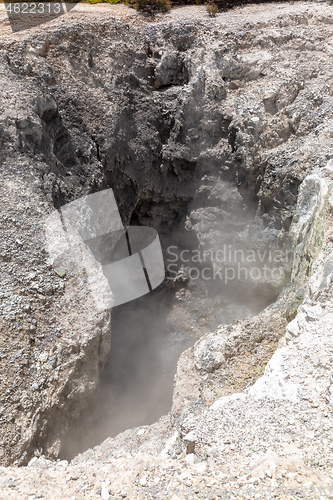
<point x="237" y="110"/>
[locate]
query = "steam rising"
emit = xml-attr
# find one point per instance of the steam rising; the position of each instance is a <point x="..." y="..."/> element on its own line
<point x="149" y="333"/>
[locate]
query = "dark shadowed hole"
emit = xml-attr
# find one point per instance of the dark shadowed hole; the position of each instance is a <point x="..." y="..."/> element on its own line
<point x="148" y="336"/>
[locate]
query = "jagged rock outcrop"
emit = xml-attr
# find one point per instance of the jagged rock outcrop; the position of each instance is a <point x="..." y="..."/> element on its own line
<point x="205" y="129"/>
<point x="54" y="340"/>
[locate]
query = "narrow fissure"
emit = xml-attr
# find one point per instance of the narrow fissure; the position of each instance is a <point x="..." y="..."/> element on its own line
<point x="180" y="158"/>
<point x="150" y="333"/>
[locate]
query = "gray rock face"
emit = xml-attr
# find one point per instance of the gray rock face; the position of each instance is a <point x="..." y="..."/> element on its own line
<point x="54" y="341"/>
<point x="205" y="129"/>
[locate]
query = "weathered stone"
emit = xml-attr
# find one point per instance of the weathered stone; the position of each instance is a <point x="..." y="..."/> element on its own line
<point x="234" y="112"/>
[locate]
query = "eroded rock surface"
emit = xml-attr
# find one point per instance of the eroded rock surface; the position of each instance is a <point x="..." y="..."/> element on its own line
<point x="204" y="128"/>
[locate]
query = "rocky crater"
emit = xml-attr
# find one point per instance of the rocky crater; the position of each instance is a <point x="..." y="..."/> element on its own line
<point x="218" y="134"/>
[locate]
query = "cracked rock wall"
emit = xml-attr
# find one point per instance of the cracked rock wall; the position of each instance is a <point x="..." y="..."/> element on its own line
<point x="168" y="114"/>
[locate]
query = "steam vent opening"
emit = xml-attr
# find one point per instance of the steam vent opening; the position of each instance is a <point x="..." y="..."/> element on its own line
<point x="150" y="333"/>
<point x="177" y="162"/>
<point x="210" y="141"/>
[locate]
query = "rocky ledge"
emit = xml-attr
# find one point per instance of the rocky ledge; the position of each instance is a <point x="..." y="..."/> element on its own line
<point x="252" y="407"/>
